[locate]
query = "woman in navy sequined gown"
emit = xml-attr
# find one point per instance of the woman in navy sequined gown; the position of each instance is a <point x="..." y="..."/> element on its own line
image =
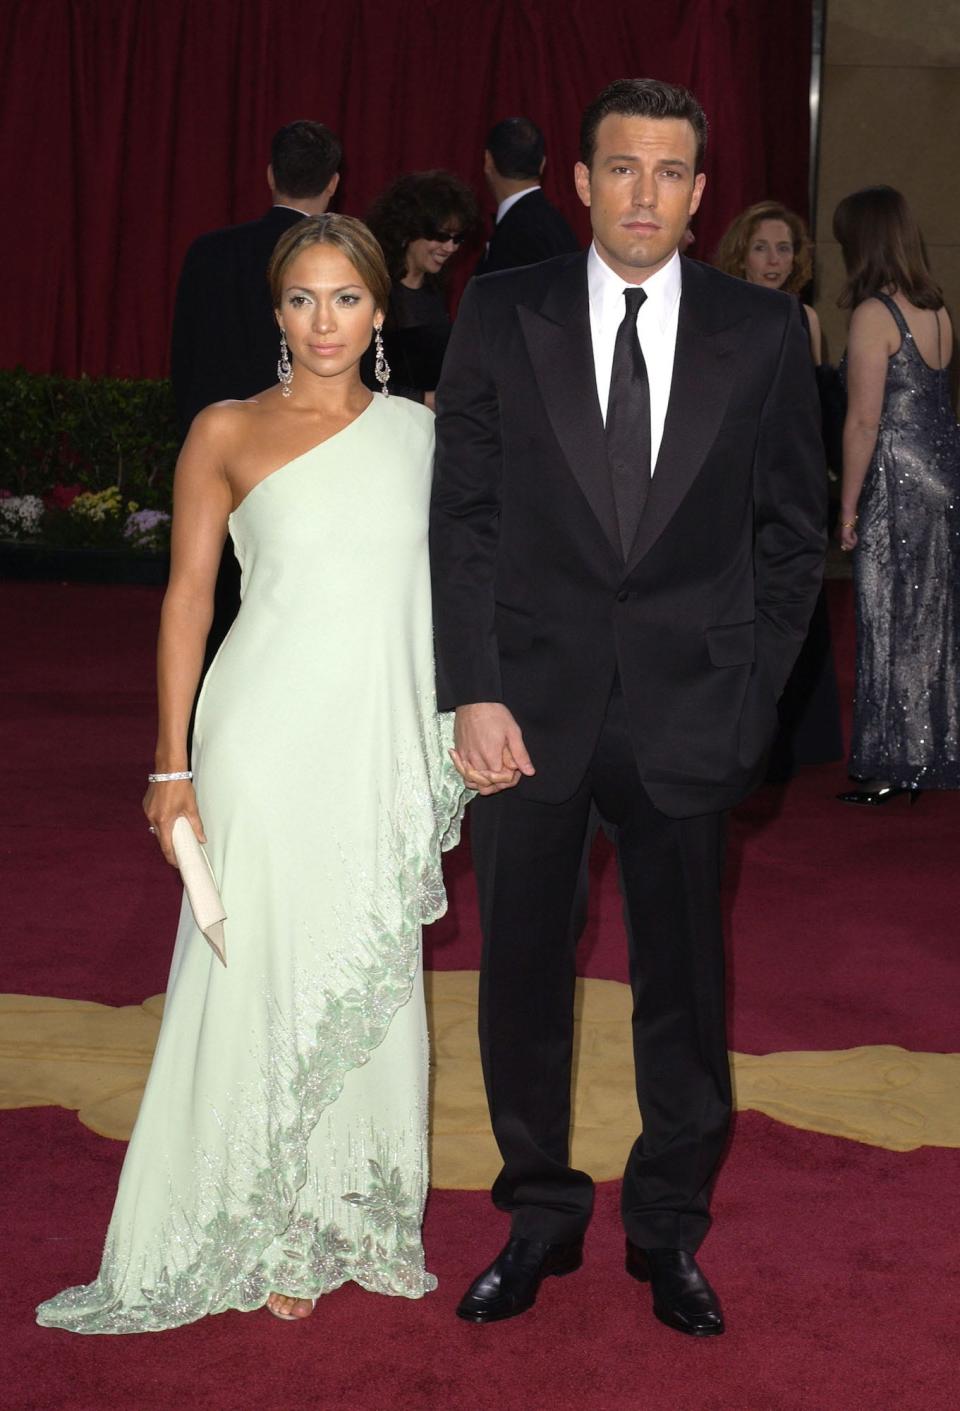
<point x="900" y="510"/>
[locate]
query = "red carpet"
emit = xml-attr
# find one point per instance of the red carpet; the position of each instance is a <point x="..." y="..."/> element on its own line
<point x="836" y="1262"/>
<point x="839" y="1287"/>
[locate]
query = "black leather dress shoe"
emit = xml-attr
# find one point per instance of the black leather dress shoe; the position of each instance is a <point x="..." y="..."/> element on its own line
<point x="511" y="1284"/>
<point x="682" y="1298"/>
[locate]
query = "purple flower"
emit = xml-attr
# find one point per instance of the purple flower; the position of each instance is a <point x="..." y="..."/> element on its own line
<point x="147" y="528"/>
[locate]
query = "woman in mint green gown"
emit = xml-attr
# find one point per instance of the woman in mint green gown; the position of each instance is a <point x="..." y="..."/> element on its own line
<point x="281" y="1145"/>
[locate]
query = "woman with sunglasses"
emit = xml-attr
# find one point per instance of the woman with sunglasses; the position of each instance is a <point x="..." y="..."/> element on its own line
<point x="421" y="221"/>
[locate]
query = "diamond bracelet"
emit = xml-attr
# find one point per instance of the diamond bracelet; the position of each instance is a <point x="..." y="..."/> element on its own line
<point x="167" y="778"/>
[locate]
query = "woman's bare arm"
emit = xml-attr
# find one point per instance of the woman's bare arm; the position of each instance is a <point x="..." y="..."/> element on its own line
<point x="870" y="343"/>
<point x="816" y="338"/>
<point x="201" y="506"/>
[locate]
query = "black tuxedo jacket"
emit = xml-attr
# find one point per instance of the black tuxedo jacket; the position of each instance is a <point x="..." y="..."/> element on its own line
<point x="532" y="230"/>
<point x="534" y="604"/>
<point x="225" y="337"/>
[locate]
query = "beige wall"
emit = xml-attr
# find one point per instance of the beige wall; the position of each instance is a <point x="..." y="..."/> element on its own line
<point x="890" y="113"/>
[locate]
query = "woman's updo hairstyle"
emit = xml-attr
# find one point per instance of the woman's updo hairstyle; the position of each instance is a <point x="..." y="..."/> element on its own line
<point x="344" y="233"/>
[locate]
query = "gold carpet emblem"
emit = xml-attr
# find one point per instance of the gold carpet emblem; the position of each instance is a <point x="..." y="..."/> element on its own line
<point x="94" y="1059"/>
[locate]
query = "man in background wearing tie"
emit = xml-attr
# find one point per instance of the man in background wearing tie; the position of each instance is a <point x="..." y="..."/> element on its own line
<point x="528" y="228"/>
<point x="628" y="533"/>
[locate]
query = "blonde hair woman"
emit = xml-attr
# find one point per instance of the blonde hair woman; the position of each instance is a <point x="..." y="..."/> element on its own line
<point x="768" y="244"/>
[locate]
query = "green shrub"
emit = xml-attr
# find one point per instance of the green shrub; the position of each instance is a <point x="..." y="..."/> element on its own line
<point x="95" y="432"/>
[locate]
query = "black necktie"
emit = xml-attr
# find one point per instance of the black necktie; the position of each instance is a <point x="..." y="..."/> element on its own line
<point x="628" y="423"/>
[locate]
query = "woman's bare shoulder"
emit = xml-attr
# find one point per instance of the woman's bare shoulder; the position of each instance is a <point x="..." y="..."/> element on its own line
<point x="222" y="424"/>
<point x="873" y="322"/>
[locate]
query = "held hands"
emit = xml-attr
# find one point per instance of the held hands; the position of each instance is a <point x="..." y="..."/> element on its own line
<point x="163" y="804"/>
<point x="489" y="752"/>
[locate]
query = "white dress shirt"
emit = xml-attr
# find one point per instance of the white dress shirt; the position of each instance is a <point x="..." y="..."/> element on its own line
<point x="509" y="201"/>
<point x="656" y="329"/>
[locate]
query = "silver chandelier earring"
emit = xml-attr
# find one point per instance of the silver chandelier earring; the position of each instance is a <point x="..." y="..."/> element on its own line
<point x="284" y="366"/>
<point x="381" y="368"/>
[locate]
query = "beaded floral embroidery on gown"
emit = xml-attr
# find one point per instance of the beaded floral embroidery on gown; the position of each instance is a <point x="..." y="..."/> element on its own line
<point x="282" y="1139"/>
<point x="906" y="723"/>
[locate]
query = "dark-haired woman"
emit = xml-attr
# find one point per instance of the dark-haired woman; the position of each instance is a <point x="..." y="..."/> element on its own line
<point x="768" y="244"/>
<point x="280" y="1148"/>
<point x="900" y="505"/>
<point x="421" y="221"/>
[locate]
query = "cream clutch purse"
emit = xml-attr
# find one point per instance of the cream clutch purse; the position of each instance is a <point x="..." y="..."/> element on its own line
<point x="200" y="885"/>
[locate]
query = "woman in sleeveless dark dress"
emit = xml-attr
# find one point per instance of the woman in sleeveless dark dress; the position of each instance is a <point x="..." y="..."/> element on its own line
<point x="421" y="221"/>
<point x="768" y="244"/>
<point x="900" y="512"/>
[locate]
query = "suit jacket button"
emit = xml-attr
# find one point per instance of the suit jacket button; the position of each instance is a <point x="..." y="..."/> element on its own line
<point x="623" y="596"/>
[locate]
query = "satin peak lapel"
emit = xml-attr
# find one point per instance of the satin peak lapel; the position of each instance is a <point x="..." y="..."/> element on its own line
<point x="703" y="371"/>
<point x="558" y="340"/>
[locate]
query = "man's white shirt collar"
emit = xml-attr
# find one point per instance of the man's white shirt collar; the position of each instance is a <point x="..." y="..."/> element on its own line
<point x="606" y="288"/>
<point x="656" y="331"/>
<point x="509" y="201"/>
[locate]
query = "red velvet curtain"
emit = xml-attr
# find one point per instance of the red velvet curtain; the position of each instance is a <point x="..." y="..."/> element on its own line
<point x="130" y="126"/>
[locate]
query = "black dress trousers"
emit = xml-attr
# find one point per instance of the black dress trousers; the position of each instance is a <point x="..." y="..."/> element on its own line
<point x="527" y="857"/>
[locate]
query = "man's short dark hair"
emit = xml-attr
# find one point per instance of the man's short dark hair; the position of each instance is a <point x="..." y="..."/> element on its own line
<point x="642" y="98"/>
<point x="516" y="146"/>
<point x="305" y="156"/>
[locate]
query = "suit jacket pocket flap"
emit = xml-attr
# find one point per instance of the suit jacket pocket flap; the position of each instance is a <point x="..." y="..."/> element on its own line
<point x="731" y="644"/>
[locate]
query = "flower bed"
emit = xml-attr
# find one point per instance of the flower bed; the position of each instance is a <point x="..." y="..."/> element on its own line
<point x="86" y="470"/>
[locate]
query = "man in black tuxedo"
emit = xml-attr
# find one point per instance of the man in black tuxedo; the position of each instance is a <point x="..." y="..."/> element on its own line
<point x="627" y="540"/>
<point x="528" y="228"/>
<point x="225" y="338"/>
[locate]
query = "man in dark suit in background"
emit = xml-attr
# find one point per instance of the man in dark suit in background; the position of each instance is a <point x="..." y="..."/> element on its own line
<point x="528" y="228"/>
<point x="225" y="338"/>
<point x="627" y="539"/>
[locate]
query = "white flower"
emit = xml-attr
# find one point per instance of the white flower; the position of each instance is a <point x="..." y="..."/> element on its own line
<point x="20" y="515"/>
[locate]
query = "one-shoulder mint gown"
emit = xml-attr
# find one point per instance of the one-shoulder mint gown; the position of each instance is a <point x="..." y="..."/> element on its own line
<point x="282" y="1139"/>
